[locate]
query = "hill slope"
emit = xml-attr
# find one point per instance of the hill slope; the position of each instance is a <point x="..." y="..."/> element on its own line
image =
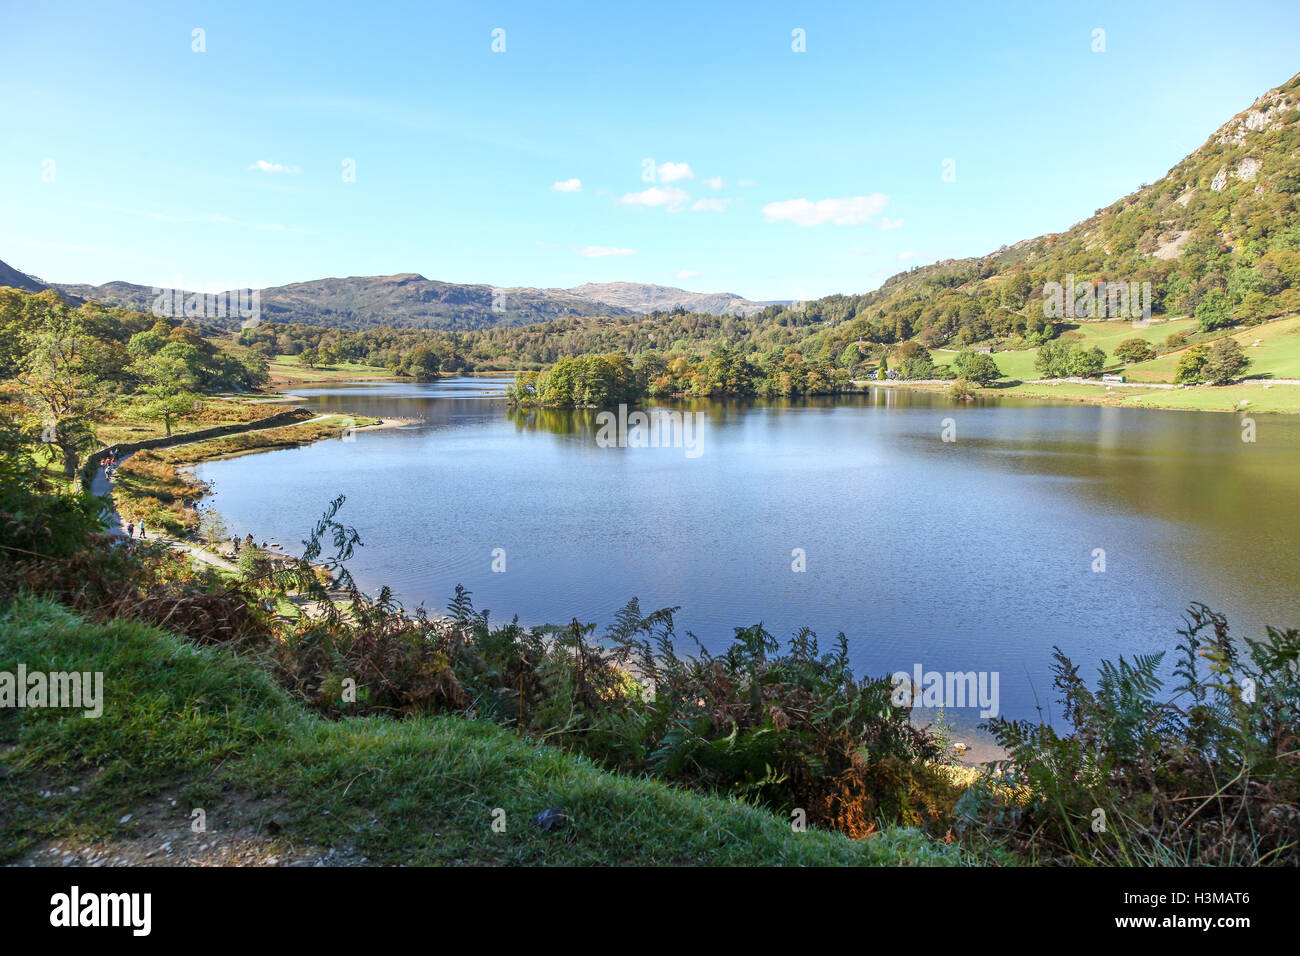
<point x="1219" y="233"/>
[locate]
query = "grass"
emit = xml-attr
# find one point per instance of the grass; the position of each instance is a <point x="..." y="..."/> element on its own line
<point x="123" y="422"/>
<point x="285" y="370"/>
<point x="199" y="722"/>
<point x="1260" y="396"/>
<point x="266" y="439"/>
<point x="1276" y="356"/>
<point x="151" y="488"/>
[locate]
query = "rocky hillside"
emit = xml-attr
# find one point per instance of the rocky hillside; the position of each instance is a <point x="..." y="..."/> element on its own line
<point x="1217" y="237"/>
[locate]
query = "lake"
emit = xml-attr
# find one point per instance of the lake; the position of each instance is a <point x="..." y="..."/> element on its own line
<point x="978" y="553"/>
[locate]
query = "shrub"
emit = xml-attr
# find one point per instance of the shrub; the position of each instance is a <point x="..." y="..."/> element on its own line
<point x="1224" y="362"/>
<point x="1134" y="350"/>
<point x="1207" y="776"/>
<point x="976" y="367"/>
<point x="1190" y="365"/>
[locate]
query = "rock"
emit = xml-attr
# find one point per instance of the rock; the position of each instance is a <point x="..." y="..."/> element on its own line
<point x="551" y="818"/>
<point x="125" y="819"/>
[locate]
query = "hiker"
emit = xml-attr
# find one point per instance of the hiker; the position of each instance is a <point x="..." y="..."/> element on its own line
<point x="235" y="541"/>
<point x="130" y="529"/>
<point x="142" y="534"/>
<point x="249" y="541"/>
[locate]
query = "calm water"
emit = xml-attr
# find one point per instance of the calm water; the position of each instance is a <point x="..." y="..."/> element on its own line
<point x="975" y="554"/>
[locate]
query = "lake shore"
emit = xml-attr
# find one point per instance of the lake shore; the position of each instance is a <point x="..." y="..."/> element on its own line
<point x="1256" y="396"/>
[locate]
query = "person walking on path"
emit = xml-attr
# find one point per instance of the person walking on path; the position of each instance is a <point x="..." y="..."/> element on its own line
<point x="130" y="529"/>
<point x="142" y="534"/>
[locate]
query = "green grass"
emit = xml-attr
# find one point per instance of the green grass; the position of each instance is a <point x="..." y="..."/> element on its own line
<point x="191" y="720"/>
<point x="265" y="439"/>
<point x="286" y="369"/>
<point x="1276" y="356"/>
<point x="1261" y="397"/>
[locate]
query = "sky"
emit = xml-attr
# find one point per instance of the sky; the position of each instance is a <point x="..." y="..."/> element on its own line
<point x="770" y="150"/>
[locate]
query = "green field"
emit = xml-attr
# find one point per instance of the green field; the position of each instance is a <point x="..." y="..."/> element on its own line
<point x="1260" y="396"/>
<point x="1276" y="356"/>
<point x="287" y="370"/>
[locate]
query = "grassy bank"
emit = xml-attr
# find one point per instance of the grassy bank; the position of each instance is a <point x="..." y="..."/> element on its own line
<point x="1257" y="396"/>
<point x="151" y="485"/>
<point x="1260" y="397"/>
<point x="212" y="730"/>
<point x="266" y="439"/>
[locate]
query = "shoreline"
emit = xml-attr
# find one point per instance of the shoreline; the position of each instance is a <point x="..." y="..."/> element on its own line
<point x="1110" y="394"/>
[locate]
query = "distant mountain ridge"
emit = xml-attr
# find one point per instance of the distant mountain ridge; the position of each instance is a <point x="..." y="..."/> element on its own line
<point x="643" y="298"/>
<point x="412" y="301"/>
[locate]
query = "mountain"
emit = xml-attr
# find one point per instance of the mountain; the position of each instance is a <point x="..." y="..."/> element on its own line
<point x="406" y="300"/>
<point x="641" y="298"/>
<point x="9" y="276"/>
<point x="412" y="301"/>
<point x="1218" y="237"/>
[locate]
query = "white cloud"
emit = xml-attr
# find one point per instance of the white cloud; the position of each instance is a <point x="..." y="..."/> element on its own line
<point x="687" y="274"/>
<point x="714" y="182"/>
<point x="568" y="186"/>
<point x="904" y="256"/>
<point x="599" y="252"/>
<point x="671" y="172"/>
<point x="269" y="167"/>
<point x="671" y="197"/>
<point x="852" y="211"/>
<point x="710" y="205"/>
<point x="887" y="223"/>
<point x="746" y="182"/>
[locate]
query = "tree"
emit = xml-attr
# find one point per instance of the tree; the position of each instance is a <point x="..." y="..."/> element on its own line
<point x="1214" y="311"/>
<point x="976" y="367"/>
<point x="1134" y="350"/>
<point x="1190" y="366"/>
<point x="58" y="382"/>
<point x="1087" y="363"/>
<point x="171" y="382"/>
<point x="1053" y="358"/>
<point x="914" y="360"/>
<point x="1224" y="362"/>
<point x="424" y="364"/>
<point x="212" y="527"/>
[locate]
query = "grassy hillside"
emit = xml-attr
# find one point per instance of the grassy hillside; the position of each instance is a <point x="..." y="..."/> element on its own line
<point x="213" y="731"/>
<point x="1277" y="354"/>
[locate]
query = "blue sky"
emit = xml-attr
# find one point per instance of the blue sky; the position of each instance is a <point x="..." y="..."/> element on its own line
<point x="777" y="174"/>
